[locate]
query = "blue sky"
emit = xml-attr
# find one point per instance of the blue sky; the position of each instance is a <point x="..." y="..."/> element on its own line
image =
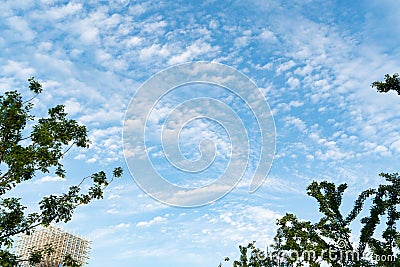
<point x="313" y="60"/>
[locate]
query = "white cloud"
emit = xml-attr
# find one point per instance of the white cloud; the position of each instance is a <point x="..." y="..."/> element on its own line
<point x="123" y="225"/>
<point x="296" y="103"/>
<point x="72" y="107"/>
<point x="242" y="41"/>
<point x="213" y="24"/>
<point x="293" y="82"/>
<point x="192" y="51"/>
<point x="106" y="144"/>
<point x="155" y="50"/>
<point x="152" y="27"/>
<point x="21" y="27"/>
<point x="383" y="150"/>
<point x="395" y="146"/>
<point x="47" y="179"/>
<point x="156" y="220"/>
<point x="18" y="69"/>
<point x="102" y="116"/>
<point x="91" y="160"/>
<point x="267" y="35"/>
<point x="61" y="12"/>
<point x="285" y="66"/>
<point x="296" y="122"/>
<point x="133" y="41"/>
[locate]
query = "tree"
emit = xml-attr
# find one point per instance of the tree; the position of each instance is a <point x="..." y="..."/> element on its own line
<point x="251" y="256"/>
<point x="29" y="146"/>
<point x="328" y="240"/>
<point x="299" y="242"/>
<point x="391" y="83"/>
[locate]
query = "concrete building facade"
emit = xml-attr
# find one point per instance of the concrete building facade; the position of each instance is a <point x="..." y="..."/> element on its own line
<point x="61" y="242"/>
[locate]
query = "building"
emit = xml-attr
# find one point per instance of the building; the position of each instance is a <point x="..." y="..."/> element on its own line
<point x="61" y="242"/>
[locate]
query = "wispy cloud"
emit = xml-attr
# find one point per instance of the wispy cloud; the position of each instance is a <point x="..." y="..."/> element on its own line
<point x="46" y="179"/>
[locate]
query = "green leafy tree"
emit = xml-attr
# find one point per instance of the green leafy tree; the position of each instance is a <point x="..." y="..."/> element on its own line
<point x="391" y="83"/>
<point x="28" y="146"/>
<point x="300" y="242"/>
<point x="327" y="240"/>
<point x="251" y="256"/>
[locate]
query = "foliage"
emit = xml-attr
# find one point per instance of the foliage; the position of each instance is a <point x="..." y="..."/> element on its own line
<point x="251" y="256"/>
<point x="29" y="146"/>
<point x="391" y="83"/>
<point x="70" y="262"/>
<point x="298" y="242"/>
<point x="329" y="238"/>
